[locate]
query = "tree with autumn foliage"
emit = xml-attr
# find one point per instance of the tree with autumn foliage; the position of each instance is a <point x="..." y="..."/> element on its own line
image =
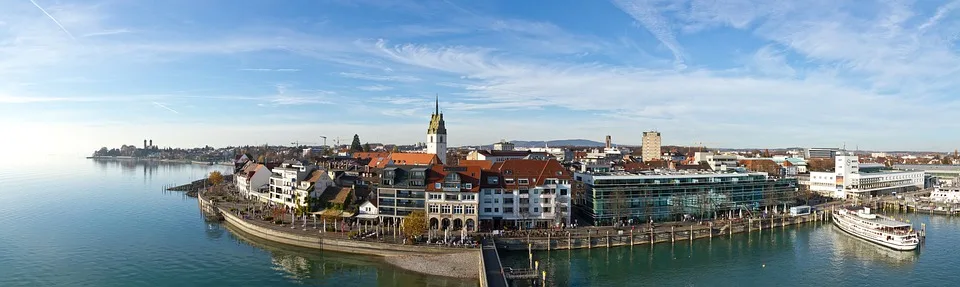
<point x="415" y="223"/>
<point x="215" y="178"/>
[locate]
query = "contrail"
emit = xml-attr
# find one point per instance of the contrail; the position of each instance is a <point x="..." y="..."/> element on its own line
<point x="165" y="107"/>
<point x="54" y="19"/>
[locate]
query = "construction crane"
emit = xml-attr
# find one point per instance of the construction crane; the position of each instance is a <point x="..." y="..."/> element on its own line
<point x="324" y="140"/>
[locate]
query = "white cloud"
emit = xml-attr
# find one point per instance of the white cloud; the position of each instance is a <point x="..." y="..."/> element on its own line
<point x="389" y="78"/>
<point x="269" y="70"/>
<point x="375" y="88"/>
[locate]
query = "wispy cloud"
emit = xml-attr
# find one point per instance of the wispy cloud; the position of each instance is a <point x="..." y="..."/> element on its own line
<point x="106" y="33"/>
<point x="164" y="107"/>
<point x="389" y="78"/>
<point x="52" y="18"/>
<point x="647" y="15"/>
<point x="375" y="88"/>
<point x="269" y="70"/>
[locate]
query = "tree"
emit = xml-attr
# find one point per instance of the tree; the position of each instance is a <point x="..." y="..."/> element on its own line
<point x="396" y="149"/>
<point x="415" y="223"/>
<point x="366" y="147"/>
<point x="215" y="178"/>
<point x="355" y="146"/>
<point x="618" y="205"/>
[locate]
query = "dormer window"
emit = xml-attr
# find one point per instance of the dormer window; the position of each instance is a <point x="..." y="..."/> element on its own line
<point x="467" y="185"/>
<point x="524" y="181"/>
<point x="493" y="180"/>
<point x="438" y="185"/>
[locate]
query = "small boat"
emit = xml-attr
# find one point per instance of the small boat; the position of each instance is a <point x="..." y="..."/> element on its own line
<point x="877" y="229"/>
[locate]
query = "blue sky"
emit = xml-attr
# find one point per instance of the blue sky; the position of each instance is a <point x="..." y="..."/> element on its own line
<point x="878" y="75"/>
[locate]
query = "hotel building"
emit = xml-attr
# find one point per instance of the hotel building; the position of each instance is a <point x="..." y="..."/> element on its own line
<point x="851" y="179"/>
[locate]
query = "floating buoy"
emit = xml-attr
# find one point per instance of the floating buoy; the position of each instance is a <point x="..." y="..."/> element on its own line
<point x="763" y="266"/>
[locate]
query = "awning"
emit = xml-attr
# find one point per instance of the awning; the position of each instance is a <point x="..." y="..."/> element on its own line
<point x="368" y="216"/>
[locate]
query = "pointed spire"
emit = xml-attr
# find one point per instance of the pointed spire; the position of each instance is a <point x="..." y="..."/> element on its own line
<point x="437" y="111"/>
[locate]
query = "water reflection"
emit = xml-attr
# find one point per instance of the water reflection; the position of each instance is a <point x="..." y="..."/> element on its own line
<point x="314" y="267"/>
<point x="849" y="246"/>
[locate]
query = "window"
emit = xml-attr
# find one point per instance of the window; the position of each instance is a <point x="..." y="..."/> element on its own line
<point x="524" y="181"/>
<point x="563" y="192"/>
<point x="496" y="209"/>
<point x="493" y="180"/>
<point x="536" y="210"/>
<point x="508" y="180"/>
<point x="471" y="210"/>
<point x="458" y="209"/>
<point x="546" y="210"/>
<point x="487" y="200"/>
<point x="508" y="201"/>
<point x="546" y="200"/>
<point x="487" y="192"/>
<point x="508" y="209"/>
<point x="438" y="185"/>
<point x="434" y="209"/>
<point x="435" y="196"/>
<point x="486" y="210"/>
<point x="469" y="196"/>
<point x="524" y="191"/>
<point x="445" y="209"/>
<point x="467" y="185"/>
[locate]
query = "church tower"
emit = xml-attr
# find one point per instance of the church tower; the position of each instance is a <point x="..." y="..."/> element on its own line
<point x="437" y="134"/>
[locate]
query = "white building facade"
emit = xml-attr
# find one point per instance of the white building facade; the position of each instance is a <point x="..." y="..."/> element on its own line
<point x="253" y="180"/>
<point x="284" y="182"/>
<point x="846" y="181"/>
<point x="526" y="194"/>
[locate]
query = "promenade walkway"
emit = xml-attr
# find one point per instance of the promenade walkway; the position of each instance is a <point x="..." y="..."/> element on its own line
<point x="492" y="265"/>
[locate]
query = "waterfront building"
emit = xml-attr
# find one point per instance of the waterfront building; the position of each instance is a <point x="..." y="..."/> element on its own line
<point x="402" y="190"/>
<point x="526" y="193"/>
<point x="940" y="174"/>
<point x="451" y="193"/>
<point x="253" y="180"/>
<point x="312" y="187"/>
<point x="610" y="197"/>
<point x="437" y="134"/>
<point x="851" y="179"/>
<point x="368" y="210"/>
<point x="650" y="150"/>
<point x="285" y="179"/>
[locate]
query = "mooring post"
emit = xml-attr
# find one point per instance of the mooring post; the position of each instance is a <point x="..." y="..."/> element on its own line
<point x="673" y="237"/>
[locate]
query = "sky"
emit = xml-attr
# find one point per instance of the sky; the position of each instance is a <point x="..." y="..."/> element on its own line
<point x="878" y="75"/>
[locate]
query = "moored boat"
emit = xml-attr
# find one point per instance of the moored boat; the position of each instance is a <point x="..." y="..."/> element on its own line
<point x="877" y="229"/>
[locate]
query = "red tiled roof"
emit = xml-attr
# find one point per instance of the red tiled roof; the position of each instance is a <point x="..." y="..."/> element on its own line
<point x="468" y="174"/>
<point x="315" y="176"/>
<point x="399" y="158"/>
<point x="483" y="164"/>
<point x="536" y="170"/>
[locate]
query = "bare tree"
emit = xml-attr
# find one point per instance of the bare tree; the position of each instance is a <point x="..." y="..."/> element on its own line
<point x="618" y="206"/>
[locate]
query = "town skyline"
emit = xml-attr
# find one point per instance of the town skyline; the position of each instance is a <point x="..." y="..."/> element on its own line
<point x="97" y="73"/>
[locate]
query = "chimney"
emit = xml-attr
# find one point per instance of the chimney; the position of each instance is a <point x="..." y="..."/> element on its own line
<point x="144" y="144"/>
<point x="151" y="142"/>
<point x="608" y="142"/>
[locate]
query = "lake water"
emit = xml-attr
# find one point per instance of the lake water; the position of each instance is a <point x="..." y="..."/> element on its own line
<point x="808" y="255"/>
<point x="79" y="222"/>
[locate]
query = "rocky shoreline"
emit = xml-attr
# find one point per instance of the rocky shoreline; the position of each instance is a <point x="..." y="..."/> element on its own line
<point x="191" y="188"/>
<point x="457" y="265"/>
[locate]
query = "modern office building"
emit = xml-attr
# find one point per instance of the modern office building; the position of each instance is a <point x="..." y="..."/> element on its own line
<point x="402" y="190"/>
<point x="821" y="153"/>
<point x="670" y="196"/>
<point x="650" y="150"/>
<point x="851" y="179"/>
<point x="717" y="162"/>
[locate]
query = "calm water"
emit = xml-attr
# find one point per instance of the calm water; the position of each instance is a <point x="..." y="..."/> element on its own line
<point x="810" y="255"/>
<point x="78" y="222"/>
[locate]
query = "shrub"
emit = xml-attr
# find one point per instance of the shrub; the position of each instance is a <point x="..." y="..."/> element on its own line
<point x="268" y="218"/>
<point x="278" y="221"/>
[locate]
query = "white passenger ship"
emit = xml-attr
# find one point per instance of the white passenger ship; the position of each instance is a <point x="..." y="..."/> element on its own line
<point x="859" y="222"/>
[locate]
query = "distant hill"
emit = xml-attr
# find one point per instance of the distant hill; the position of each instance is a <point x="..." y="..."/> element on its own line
<point x="568" y="142"/>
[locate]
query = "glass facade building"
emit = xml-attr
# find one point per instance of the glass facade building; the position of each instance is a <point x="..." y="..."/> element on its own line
<point x="608" y="197"/>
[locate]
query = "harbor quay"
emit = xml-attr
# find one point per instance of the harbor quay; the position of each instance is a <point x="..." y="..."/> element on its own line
<point x="669" y="232"/>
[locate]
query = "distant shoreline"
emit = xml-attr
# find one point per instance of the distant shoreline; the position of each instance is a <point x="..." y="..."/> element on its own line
<point x="184" y="161"/>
